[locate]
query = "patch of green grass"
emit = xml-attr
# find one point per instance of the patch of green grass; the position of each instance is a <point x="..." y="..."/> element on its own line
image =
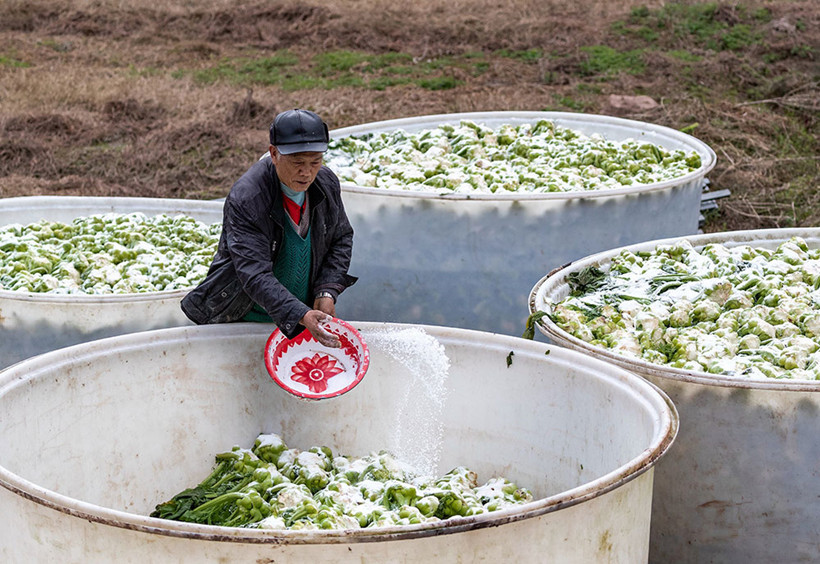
<point x="702" y="22"/>
<point x="401" y="70"/>
<point x="697" y="19"/>
<point x="735" y="38"/>
<point x="278" y="60"/>
<point x="211" y="75"/>
<point x="337" y="69"/>
<point x="762" y="15"/>
<point x="387" y="60"/>
<point x="435" y="64"/>
<point x="390" y="69"/>
<point x="332" y="62"/>
<point x="384" y="82"/>
<point x="571" y="103"/>
<point x="697" y="90"/>
<point x="604" y="60"/>
<point x="527" y="56"/>
<point x="803" y="51"/>
<point x="13" y="62"/>
<point x="299" y="81"/>
<point x="438" y="83"/>
<point x="639" y="12"/>
<point x="645" y="32"/>
<point x="480" y="68"/>
<point x="305" y="81"/>
<point x="266" y="70"/>
<point x="588" y="88"/>
<point x="346" y="80"/>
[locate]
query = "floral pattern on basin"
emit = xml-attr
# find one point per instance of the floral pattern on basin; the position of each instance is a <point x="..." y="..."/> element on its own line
<point x="314" y="372"/>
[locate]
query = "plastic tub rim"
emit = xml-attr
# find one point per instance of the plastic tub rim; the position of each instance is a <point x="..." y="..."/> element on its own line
<point x="666" y="429"/>
<point x="80" y="202"/>
<point x="708" y="156"/>
<point x="85" y="299"/>
<point x="552" y="331"/>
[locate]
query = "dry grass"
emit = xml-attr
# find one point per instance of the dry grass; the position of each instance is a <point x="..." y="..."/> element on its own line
<point x="104" y="101"/>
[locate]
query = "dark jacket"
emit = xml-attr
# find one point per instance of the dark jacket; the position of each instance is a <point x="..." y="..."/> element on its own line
<point x="252" y="233"/>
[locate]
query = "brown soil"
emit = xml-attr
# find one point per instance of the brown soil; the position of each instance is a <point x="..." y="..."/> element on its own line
<point x="98" y="97"/>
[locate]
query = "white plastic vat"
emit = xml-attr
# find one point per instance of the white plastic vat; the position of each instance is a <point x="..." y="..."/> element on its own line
<point x="95" y="435"/>
<point x="33" y="323"/>
<point x="469" y="260"/>
<point x="743" y="481"/>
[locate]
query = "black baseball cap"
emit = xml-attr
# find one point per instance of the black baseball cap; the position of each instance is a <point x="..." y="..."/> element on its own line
<point x="299" y="131"/>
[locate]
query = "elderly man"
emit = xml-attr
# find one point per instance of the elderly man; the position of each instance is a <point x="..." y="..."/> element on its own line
<point x="286" y="242"/>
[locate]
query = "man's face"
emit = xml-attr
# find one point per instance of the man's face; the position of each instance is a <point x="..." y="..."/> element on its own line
<point x="297" y="170"/>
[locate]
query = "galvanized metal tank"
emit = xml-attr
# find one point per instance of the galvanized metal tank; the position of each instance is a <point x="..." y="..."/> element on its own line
<point x="32" y="323"/>
<point x="95" y="435"/>
<point x="469" y="260"/>
<point x="741" y="483"/>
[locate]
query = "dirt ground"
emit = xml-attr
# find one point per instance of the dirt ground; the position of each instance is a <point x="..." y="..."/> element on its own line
<point x="174" y="99"/>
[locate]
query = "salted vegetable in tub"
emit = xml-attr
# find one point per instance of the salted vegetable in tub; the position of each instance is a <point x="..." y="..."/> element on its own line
<point x="111" y="253"/>
<point x="470" y="157"/>
<point x="272" y="486"/>
<point x="739" y="311"/>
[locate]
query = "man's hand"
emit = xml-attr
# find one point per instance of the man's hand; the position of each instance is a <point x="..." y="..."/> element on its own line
<point x="313" y="321"/>
<point x="326" y="305"/>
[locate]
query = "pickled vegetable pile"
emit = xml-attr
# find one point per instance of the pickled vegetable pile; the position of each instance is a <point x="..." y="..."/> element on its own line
<point x="112" y="253"/>
<point x="739" y="311"/>
<point x="532" y="157"/>
<point x="272" y="486"/>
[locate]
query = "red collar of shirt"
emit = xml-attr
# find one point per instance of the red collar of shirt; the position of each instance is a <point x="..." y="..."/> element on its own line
<point x="294" y="210"/>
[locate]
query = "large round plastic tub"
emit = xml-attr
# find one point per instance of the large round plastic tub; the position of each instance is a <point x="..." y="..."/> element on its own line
<point x="32" y="323"/>
<point x="743" y="481"/>
<point x="469" y="260"/>
<point x="95" y="435"/>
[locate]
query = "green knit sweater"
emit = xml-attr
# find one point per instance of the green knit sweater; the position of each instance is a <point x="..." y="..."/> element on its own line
<point x="291" y="268"/>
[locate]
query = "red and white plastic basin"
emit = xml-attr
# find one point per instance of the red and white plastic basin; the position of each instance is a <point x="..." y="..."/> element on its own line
<point x="307" y="369"/>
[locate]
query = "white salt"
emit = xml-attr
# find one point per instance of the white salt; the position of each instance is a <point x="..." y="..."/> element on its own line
<point x="417" y="434"/>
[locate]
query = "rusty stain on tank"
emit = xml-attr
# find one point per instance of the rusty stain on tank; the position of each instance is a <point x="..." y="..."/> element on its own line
<point x="605" y="544"/>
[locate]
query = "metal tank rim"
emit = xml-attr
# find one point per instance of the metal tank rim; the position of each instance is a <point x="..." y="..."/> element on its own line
<point x="67" y="203"/>
<point x="708" y="156"/>
<point x="666" y="429"/>
<point x="550" y="283"/>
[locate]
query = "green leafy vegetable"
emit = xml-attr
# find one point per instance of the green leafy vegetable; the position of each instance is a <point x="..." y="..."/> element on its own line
<point x="109" y="253"/>
<point x="585" y="280"/>
<point x="744" y="311"/>
<point x="275" y="487"/>
<point x="529" y="330"/>
<point x="470" y="157"/>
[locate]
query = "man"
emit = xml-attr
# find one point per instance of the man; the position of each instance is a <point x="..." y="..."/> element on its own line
<point x="286" y="242"/>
